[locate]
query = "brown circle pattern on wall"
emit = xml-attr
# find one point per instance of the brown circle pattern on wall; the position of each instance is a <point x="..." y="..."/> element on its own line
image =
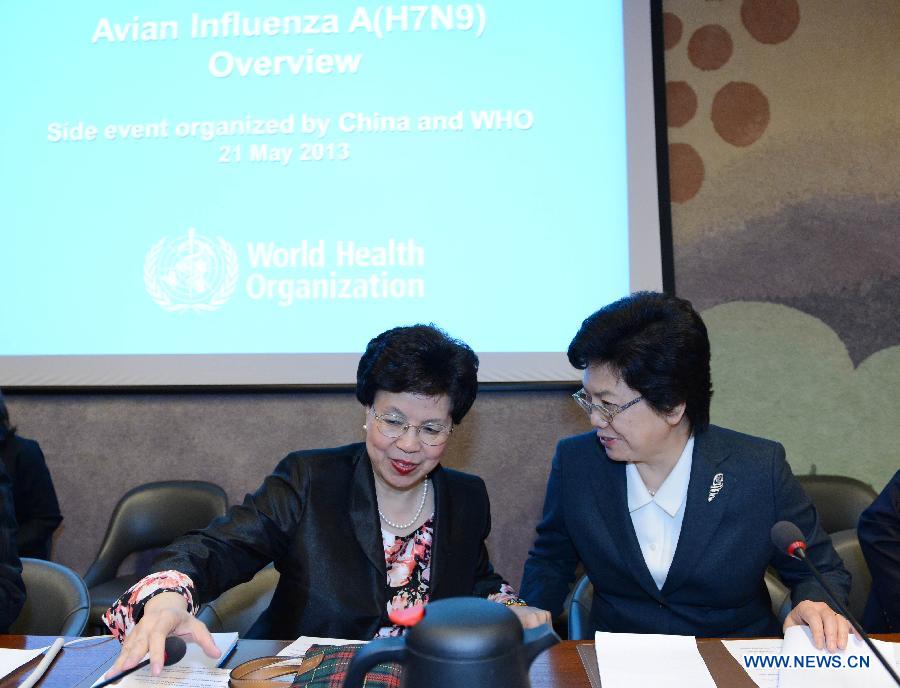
<point x="740" y="113"/>
<point x="710" y="47"/>
<point x="685" y="172"/>
<point x="672" y="29"/>
<point x="770" y="21"/>
<point x="681" y="103"/>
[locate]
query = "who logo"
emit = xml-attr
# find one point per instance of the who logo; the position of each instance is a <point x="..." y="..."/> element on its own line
<point x="191" y="272"/>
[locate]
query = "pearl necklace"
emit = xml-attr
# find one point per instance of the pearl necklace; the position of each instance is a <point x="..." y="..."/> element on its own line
<point x="404" y="526"/>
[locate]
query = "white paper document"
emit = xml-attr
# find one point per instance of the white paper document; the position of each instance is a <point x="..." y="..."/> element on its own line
<point x="299" y="647"/>
<point x="627" y="660"/>
<point x="803" y="666"/>
<point x="754" y="657"/>
<point x="195" y="670"/>
<point x="10" y="660"/>
<point x="177" y="676"/>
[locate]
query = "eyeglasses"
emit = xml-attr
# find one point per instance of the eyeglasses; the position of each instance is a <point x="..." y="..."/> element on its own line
<point x="607" y="411"/>
<point x="394" y="426"/>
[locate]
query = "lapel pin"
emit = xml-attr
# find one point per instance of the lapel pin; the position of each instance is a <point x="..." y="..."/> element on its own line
<point x="718" y="481"/>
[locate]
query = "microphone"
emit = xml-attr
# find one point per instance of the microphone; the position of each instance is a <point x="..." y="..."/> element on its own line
<point x="175" y="649"/>
<point x="787" y="538"/>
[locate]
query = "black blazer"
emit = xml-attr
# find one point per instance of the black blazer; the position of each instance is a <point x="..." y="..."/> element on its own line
<point x="715" y="586"/>
<point x="36" y="506"/>
<point x="12" y="588"/>
<point x="316" y="517"/>
<point x="879" y="537"/>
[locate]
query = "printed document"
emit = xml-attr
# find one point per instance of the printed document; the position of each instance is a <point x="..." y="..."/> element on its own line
<point x="806" y="667"/>
<point x="638" y="659"/>
<point x="195" y="670"/>
<point x="299" y="647"/>
<point x="754" y="658"/>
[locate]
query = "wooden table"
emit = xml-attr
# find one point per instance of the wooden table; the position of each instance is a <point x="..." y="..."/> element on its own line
<point x="78" y="666"/>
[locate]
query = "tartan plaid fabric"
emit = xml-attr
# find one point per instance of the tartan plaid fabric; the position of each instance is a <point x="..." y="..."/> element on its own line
<point x="333" y="669"/>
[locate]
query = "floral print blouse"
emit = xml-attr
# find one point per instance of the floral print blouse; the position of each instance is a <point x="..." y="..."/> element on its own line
<point x="407" y="559"/>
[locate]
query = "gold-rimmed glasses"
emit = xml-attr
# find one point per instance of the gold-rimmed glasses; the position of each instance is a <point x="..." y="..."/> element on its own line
<point x="606" y="410"/>
<point x="393" y="425"/>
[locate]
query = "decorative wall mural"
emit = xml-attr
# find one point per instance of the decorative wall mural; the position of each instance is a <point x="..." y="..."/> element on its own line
<point x="837" y="259"/>
<point x="785" y="180"/>
<point x="770" y="21"/>
<point x="739" y="111"/>
<point x="780" y="370"/>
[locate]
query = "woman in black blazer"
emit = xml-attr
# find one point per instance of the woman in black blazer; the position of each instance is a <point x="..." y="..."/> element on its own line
<point x="879" y="538"/>
<point x="357" y="532"/>
<point x="671" y="516"/>
<point x="36" y="506"/>
<point x="12" y="588"/>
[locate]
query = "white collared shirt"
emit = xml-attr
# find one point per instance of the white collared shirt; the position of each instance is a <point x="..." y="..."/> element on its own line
<point x="657" y="519"/>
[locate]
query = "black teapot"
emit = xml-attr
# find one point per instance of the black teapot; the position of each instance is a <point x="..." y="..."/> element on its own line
<point x="460" y="642"/>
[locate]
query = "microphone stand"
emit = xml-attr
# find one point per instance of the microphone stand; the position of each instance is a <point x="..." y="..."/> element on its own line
<point x="800" y="553"/>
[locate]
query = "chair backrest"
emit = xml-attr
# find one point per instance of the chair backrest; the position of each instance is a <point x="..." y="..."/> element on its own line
<point x="56" y="600"/>
<point x="838" y="499"/>
<point x="580" y="610"/>
<point x="153" y="515"/>
<point x="780" y="595"/>
<point x="238" y="609"/>
<point x="846" y="544"/>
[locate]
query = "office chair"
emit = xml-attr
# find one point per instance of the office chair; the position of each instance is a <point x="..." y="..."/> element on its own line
<point x="56" y="600"/>
<point x="579" y="609"/>
<point x="238" y="609"/>
<point x="846" y="544"/>
<point x="148" y="516"/>
<point x="838" y="499"/>
<point x="780" y="594"/>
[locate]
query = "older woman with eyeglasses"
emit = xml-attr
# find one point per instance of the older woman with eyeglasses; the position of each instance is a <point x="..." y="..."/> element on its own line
<point x="357" y="532"/>
<point x="671" y="516"/>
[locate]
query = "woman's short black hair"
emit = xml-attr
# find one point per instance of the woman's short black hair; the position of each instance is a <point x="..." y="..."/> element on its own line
<point x="419" y="359"/>
<point x="659" y="346"/>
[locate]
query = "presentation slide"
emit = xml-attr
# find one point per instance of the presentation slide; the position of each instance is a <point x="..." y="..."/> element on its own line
<point x="207" y="193"/>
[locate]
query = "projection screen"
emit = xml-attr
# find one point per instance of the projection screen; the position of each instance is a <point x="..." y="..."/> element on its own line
<point x="205" y="194"/>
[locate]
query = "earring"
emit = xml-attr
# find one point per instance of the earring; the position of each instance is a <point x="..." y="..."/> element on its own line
<point x="365" y="427"/>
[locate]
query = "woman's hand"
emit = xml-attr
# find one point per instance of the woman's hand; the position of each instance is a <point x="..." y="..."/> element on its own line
<point x="828" y="627"/>
<point x="531" y="617"/>
<point x="164" y="615"/>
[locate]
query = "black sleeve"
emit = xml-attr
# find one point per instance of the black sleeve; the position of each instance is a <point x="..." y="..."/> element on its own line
<point x="550" y="568"/>
<point x="487" y="581"/>
<point x="879" y="537"/>
<point x="250" y="536"/>
<point x="37" y="508"/>
<point x="12" y="589"/>
<point x="793" y="505"/>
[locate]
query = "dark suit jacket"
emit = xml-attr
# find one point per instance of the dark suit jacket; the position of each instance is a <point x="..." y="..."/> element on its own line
<point x="316" y="517"/>
<point x="879" y="537"/>
<point x="715" y="585"/>
<point x="12" y="589"/>
<point x="37" y="509"/>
